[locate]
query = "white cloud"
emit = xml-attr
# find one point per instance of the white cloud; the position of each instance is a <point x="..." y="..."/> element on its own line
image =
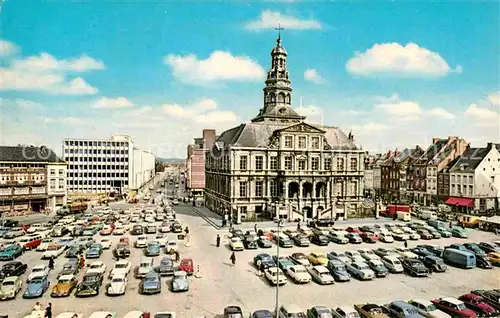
<point x="7" y="48"/>
<point x="312" y="75"/>
<point x="55" y="84"/>
<point x="62" y="120"/>
<point x="383" y="99"/>
<point x="28" y="104"/>
<point x="177" y="111"/>
<point x="219" y="66"/>
<point x="113" y="103"/>
<point x="369" y="128"/>
<point x="494" y="98"/>
<point x="482" y="116"/>
<point x="309" y="110"/>
<point x="206" y="104"/>
<point x="47" y="63"/>
<point x="353" y="112"/>
<point x="270" y="20"/>
<point x="441" y="112"/>
<point x="404" y="110"/>
<point x="394" y="59"/>
<point x="217" y="117"/>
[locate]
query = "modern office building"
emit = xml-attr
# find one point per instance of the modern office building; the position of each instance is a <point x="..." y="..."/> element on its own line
<point x="32" y="179"/>
<point x="278" y="165"/>
<point x="106" y="165"/>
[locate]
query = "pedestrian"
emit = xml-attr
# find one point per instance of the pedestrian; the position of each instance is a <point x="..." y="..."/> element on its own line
<point x="177" y="256"/>
<point x="233" y="259"/>
<point x="451" y="224"/>
<point x="261" y="269"/>
<point x="255" y="227"/>
<point x="186" y="230"/>
<point x="37" y="306"/>
<point x="217" y="240"/>
<point x="51" y="263"/>
<point x="298" y="225"/>
<point x="82" y="262"/>
<point x="48" y="311"/>
<point x="406" y="244"/>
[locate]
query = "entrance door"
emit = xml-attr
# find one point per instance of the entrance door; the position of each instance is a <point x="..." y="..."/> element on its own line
<point x="308" y="212"/>
<point x="258" y="209"/>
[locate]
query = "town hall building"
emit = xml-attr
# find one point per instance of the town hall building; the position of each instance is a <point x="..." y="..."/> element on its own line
<point x="279" y="166"/>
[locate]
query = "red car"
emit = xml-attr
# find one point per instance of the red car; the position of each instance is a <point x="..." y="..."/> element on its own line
<point x="353" y="229"/>
<point x="187" y="266"/>
<point x="106" y="231"/>
<point x="369" y="237"/>
<point x="454" y="307"/>
<point x="479" y="305"/>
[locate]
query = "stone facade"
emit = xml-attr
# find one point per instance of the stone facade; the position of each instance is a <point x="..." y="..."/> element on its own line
<point x="279" y="166"/>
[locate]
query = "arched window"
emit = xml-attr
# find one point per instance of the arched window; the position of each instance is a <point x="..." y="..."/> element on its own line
<point x="287" y="99"/>
<point x="267" y="98"/>
<point x="281" y="98"/>
<point x="273" y="97"/>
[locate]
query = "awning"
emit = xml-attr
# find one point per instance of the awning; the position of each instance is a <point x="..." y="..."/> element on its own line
<point x="460" y="202"/>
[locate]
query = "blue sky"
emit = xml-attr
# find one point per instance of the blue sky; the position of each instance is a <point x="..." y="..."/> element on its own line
<point x="394" y="73"/>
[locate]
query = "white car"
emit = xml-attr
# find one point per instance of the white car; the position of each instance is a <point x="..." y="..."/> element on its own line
<point x="121" y="266"/>
<point x="355" y="256"/>
<point x="427" y="309"/>
<point x="171" y="247"/>
<point x="106" y="243"/>
<point x="97" y="267"/>
<point x="299" y="274"/>
<point x="45" y="244"/>
<point x="141" y="242"/>
<point x="275" y="276"/>
<point x="399" y="235"/>
<point x="38" y="271"/>
<point x="236" y="244"/>
<point x="405" y="252"/>
<point x="118" y="284"/>
<point x="53" y="251"/>
<point x="119" y="230"/>
<point x="161" y="239"/>
<point x="411" y="233"/>
<point x="149" y="219"/>
<point x="321" y="275"/>
<point x="385" y="237"/>
<point x="165" y="229"/>
<point x="34" y="228"/>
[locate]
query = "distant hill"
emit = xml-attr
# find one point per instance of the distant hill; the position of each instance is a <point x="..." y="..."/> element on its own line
<point x="170" y="160"/>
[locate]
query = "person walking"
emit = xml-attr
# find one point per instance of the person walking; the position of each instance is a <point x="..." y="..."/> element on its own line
<point x="255" y="227"/>
<point x="217" y="241"/>
<point x="177" y="256"/>
<point x="48" y="311"/>
<point x="233" y="259"/>
<point x="51" y="263"/>
<point x="186" y="231"/>
<point x="406" y="244"/>
<point x="82" y="262"/>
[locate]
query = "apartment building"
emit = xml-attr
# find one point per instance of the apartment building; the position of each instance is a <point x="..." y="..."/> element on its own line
<point x="32" y="179"/>
<point x="106" y="165"/>
<point x="195" y="162"/>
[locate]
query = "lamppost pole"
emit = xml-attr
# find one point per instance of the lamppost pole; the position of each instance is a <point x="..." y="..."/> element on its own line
<point x="278" y="270"/>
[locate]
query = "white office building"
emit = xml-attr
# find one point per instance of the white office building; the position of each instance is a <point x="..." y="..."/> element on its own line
<point x="106" y="165"/>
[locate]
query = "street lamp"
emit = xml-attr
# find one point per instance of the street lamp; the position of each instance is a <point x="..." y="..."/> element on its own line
<point x="280" y="224"/>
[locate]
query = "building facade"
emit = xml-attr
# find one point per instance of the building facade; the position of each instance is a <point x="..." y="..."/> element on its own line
<point x="278" y="166"/>
<point x="32" y="179"/>
<point x="106" y="165"/>
<point x="195" y="162"/>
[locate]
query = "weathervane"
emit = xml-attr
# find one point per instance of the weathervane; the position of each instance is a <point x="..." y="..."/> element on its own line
<point x="279" y="28"/>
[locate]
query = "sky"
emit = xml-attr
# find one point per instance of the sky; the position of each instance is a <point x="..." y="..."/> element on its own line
<point x="395" y="74"/>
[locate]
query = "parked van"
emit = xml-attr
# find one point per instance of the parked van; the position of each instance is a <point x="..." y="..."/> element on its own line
<point x="404" y="216"/>
<point x="437" y="224"/>
<point x="393" y="264"/>
<point x="428" y="215"/>
<point x="463" y="259"/>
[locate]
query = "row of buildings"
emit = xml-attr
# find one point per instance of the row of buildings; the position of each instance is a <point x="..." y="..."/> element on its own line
<point x="449" y="171"/>
<point x="278" y="165"/>
<point x="35" y="179"/>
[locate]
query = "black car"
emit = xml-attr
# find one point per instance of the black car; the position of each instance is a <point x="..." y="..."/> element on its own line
<point x="434" y="263"/>
<point x="301" y="240"/>
<point x="436" y="250"/>
<point x="70" y="268"/>
<point x="90" y="285"/>
<point x="137" y="230"/>
<point x="176" y="228"/>
<point x="233" y="312"/>
<point x="492" y="297"/>
<point x="320" y="240"/>
<point x="473" y="247"/>
<point x="421" y="251"/>
<point x="166" y="267"/>
<point x="415" y="267"/>
<point x="121" y="250"/>
<point x="150" y="229"/>
<point x="12" y="269"/>
<point x="238" y="233"/>
<point x="250" y="242"/>
<point x="482" y="261"/>
<point x="263" y="260"/>
<point x="74" y="251"/>
<point x="489" y="247"/>
<point x="285" y="242"/>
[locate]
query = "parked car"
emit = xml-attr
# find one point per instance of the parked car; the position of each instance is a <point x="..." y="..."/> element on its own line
<point x="338" y="237"/>
<point x="393" y="264"/>
<point x="489" y="247"/>
<point x="275" y="276"/>
<point x="459" y="232"/>
<point x="378" y="267"/>
<point x="494" y="258"/>
<point x="338" y="271"/>
<point x="369" y="237"/>
<point x="70" y="268"/>
<point x="65" y="285"/>
<point x="236" y="244"/>
<point x="354" y="238"/>
<point x="187" y="265"/>
<point x="11" y="252"/>
<point x="320" y="240"/>
<point x="233" y="311"/>
<point x="492" y="297"/>
<point x="428" y="309"/>
<point x="38" y="270"/>
<point x="10" y="287"/>
<point x="151" y="284"/>
<point x="370" y="311"/>
<point x="180" y="282"/>
<point x="145" y="266"/>
<point x="399" y="308"/>
<point x="94" y="251"/>
<point x="264" y="242"/>
<point x="317" y="258"/>
<point x="319" y="312"/>
<point x="121" y="266"/>
<point x="298" y="274"/>
<point x="454" y="307"/>
<point x="360" y="270"/>
<point x="263" y="260"/>
<point x="300" y="259"/>
<point x="37" y="287"/>
<point x="166" y="267"/>
<point x="13" y="268"/>
<point x="434" y="264"/>
<point x="153" y="249"/>
<point x="321" y="275"/>
<point x="479" y="305"/>
<point x="90" y="285"/>
<point x="415" y="267"/>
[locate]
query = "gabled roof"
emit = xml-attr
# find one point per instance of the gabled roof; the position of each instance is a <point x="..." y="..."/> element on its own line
<point x="28" y="154"/>
<point x="469" y="160"/>
<point x="431" y="152"/>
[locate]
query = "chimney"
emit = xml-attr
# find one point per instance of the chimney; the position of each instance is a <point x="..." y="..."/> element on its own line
<point x="489" y="146"/>
<point x="208" y="138"/>
<point x="435" y="139"/>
